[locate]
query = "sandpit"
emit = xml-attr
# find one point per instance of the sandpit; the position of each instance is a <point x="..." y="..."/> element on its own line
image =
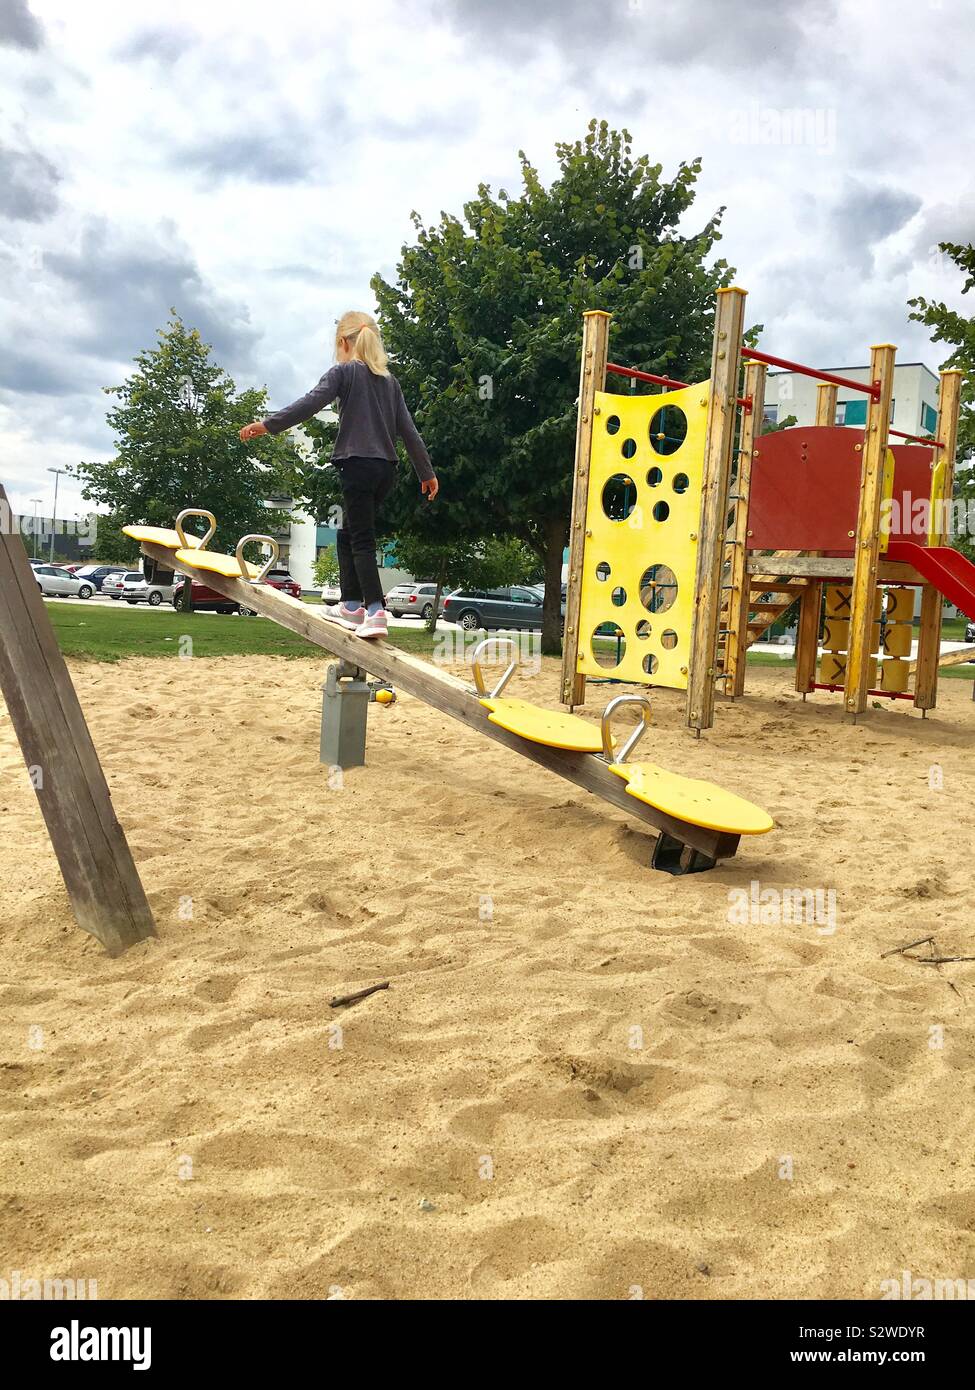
<point x="586" y="1080"/>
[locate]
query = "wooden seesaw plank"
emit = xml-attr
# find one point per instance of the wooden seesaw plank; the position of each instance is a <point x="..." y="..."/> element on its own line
<point x="452" y="697"/>
<point x="106" y="894"/>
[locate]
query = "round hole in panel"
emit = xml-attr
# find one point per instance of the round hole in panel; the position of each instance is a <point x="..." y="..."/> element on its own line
<point x="618" y="596"/>
<point x="603" y="570"/>
<point x="650" y="664"/>
<point x="613" y="424"/>
<point x="668" y="639"/>
<point x="668" y="429"/>
<point x="608" y="644"/>
<point x="655" y="476"/>
<point x="643" y="629"/>
<point x="658" y="588"/>
<point x="681" y="482"/>
<point x="661" y="511"/>
<point x="619" y="496"/>
<point x="629" y="448"/>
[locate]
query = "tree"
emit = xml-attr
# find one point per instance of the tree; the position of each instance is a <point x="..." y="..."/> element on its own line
<point x="327" y="567"/>
<point x="958" y="331"/>
<point x="176" y="426"/>
<point x="484" y="325"/>
<point x="111" y="546"/>
<point x="478" y="564"/>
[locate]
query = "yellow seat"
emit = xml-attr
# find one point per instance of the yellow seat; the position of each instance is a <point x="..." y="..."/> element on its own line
<point x="551" y="727"/>
<point x="698" y="803"/>
<point x="159" y="535"/>
<point x="216" y="563"/>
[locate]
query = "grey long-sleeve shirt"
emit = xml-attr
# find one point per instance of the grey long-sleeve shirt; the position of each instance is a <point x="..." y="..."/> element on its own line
<point x="372" y="412"/>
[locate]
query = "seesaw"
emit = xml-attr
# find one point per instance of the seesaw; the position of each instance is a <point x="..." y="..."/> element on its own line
<point x="696" y="824"/>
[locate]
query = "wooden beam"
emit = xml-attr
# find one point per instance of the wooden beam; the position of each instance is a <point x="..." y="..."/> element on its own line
<point x="592" y="378"/>
<point x="713" y="525"/>
<point x="106" y="894"/>
<point x="867" y="554"/>
<point x="445" y="693"/>
<point x="811" y="604"/>
<point x="822" y="567"/>
<point x="739" y="592"/>
<point x="961" y="656"/>
<point x="932" y="607"/>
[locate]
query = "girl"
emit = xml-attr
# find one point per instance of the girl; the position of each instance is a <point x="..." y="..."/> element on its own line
<point x="372" y="412"/>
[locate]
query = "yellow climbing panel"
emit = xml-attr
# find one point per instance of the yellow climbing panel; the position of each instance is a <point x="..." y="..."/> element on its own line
<point x="551" y="727"/>
<point x="642" y="518"/>
<point x="159" y="535"/>
<point x="687" y="799"/>
<point x="216" y="563"/>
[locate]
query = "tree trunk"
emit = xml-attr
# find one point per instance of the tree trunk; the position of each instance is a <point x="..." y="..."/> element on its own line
<point x="554" y="543"/>
<point x="432" y="621"/>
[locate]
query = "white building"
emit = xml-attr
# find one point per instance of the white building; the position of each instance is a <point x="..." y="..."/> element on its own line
<point x="914" y="406"/>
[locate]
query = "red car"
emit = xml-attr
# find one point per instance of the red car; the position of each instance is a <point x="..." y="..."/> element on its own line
<point x="204" y="598"/>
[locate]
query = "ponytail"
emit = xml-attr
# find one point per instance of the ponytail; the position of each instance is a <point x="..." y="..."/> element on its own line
<point x="362" y="333"/>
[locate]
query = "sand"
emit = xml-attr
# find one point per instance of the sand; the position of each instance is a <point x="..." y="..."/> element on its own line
<point x="585" y="1081"/>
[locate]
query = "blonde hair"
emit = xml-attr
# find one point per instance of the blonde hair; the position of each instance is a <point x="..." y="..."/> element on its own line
<point x="362" y="334"/>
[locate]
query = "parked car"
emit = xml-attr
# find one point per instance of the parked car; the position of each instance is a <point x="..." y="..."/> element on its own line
<point x="517" y="607"/>
<point x="137" y="589"/>
<point x="331" y="593"/>
<point x="281" y="579"/>
<point x="412" y="600"/>
<point x="204" y="599"/>
<point x="54" y="581"/>
<point x="97" y="574"/>
<point x="970" y="632"/>
<point x="113" y="584"/>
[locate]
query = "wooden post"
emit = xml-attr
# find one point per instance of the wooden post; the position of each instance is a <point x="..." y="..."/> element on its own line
<point x="592" y="378"/>
<point x="713" y="526"/>
<point x="736" y="638"/>
<point x="106" y="894"/>
<point x="811" y="602"/>
<point x="867" y="553"/>
<point x="929" y="633"/>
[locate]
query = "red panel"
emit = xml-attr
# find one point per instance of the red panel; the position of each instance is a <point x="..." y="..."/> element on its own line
<point x="806" y="488"/>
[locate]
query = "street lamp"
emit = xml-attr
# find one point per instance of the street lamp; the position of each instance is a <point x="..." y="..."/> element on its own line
<point x="54" y="515"/>
<point x="36" y="501"/>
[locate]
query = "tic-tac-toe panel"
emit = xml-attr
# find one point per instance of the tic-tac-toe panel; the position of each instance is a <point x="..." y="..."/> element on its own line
<point x="642" y="517"/>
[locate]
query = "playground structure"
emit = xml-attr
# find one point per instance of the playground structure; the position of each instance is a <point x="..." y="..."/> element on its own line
<point x="691" y="532"/>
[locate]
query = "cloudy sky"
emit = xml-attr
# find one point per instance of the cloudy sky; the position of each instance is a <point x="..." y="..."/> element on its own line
<point x="253" y="164"/>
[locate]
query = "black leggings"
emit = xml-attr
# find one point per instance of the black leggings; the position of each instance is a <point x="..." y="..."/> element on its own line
<point x="365" y="484"/>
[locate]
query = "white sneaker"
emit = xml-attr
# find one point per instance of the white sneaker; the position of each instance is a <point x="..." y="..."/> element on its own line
<point x="375" y="626"/>
<point x="338" y="613"/>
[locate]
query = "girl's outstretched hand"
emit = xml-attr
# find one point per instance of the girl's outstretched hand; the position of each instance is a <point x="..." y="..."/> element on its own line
<point x="251" y="431"/>
<point x="431" y="487"/>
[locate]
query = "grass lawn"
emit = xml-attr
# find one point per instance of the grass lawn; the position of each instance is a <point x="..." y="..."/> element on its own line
<point x="110" y="634"/>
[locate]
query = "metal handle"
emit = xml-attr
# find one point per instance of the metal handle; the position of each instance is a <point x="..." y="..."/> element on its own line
<point x="496" y="642"/>
<point x="637" y="734"/>
<point x="268" y="564"/>
<point x="195" y="511"/>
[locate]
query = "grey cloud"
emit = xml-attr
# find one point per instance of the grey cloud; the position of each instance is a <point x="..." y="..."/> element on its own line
<point x="671" y="32"/>
<point x="163" y="44"/>
<point x="127" y="288"/>
<point x="28" y="184"/>
<point x="865" y="215"/>
<point x="257" y="158"/>
<point x="18" y="27"/>
<point x="30" y="372"/>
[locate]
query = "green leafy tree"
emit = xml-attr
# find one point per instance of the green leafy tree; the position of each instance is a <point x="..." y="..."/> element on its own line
<point x="176" y="424"/>
<point x="111" y="546"/>
<point x="953" y="328"/>
<point x="484" y="324"/>
<point x="327" y="567"/>
<point x="469" y="563"/>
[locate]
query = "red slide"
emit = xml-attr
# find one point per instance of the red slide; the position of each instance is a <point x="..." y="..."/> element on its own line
<point x="947" y="569"/>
